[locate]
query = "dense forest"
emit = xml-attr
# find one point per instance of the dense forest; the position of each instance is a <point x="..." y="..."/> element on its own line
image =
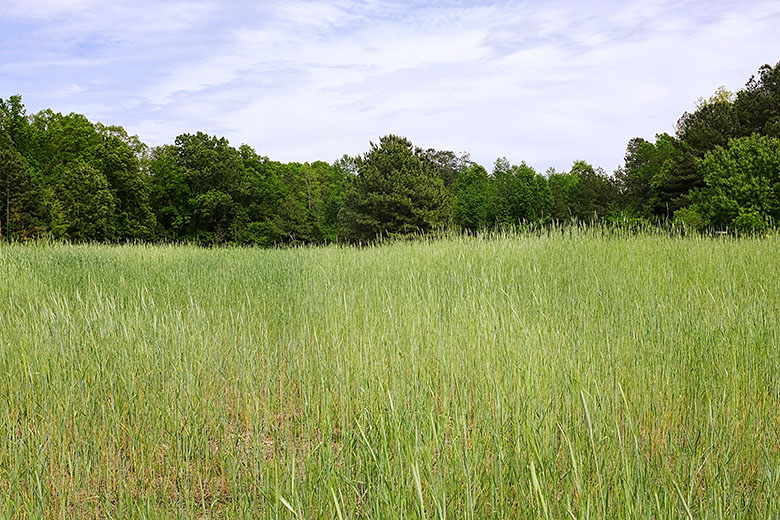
<point x="64" y="177"/>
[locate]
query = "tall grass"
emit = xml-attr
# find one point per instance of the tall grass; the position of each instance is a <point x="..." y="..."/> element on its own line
<point x="564" y="376"/>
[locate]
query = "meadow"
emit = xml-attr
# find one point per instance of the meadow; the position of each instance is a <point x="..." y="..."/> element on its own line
<point x="576" y="375"/>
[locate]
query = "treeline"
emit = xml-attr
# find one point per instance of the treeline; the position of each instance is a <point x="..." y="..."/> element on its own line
<point x="64" y="177"/>
<point x="722" y="168"/>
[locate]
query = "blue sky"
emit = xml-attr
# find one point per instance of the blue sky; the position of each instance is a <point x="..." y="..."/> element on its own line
<point x="542" y="82"/>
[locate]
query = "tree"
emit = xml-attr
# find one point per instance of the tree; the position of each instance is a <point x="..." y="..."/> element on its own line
<point x="742" y="184"/>
<point x="660" y="178"/>
<point x="448" y="164"/>
<point x="333" y="189"/>
<point x="81" y="205"/>
<point x="14" y="127"/>
<point x="197" y="187"/>
<point x="712" y="124"/>
<point x="20" y="213"/>
<point x="169" y="194"/>
<point x="261" y="221"/>
<point x="215" y="175"/>
<point x="118" y="156"/>
<point x="475" y="199"/>
<point x="657" y="178"/>
<point x="300" y="203"/>
<point x="58" y="147"/>
<point x="675" y="178"/>
<point x="635" y="176"/>
<point x="595" y="192"/>
<point x="396" y="191"/>
<point x="563" y="193"/>
<point x="524" y="195"/>
<point x="58" y="141"/>
<point x="758" y="104"/>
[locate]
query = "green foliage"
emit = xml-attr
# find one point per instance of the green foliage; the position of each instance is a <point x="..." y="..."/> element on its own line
<point x="14" y="126"/>
<point x="475" y="202"/>
<point x="197" y="187"/>
<point x="60" y="153"/>
<point x="301" y="202"/>
<point x="214" y="172"/>
<point x="260" y="221"/>
<point x="448" y="164"/>
<point x="21" y="209"/>
<point x="689" y="218"/>
<point x="169" y="194"/>
<point x="524" y="195"/>
<point x="118" y="156"/>
<point x="213" y="211"/>
<point x="675" y="178"/>
<point x="20" y="198"/>
<point x="333" y="182"/>
<point x="658" y="179"/>
<point x="202" y="190"/>
<point x="758" y="104"/>
<point x="742" y="188"/>
<point x="564" y="187"/>
<point x="647" y="168"/>
<point x="300" y="205"/>
<point x="595" y="192"/>
<point x="712" y="124"/>
<point x="397" y="191"/>
<point x="81" y="205"/>
<point x="626" y="220"/>
<point x="750" y="221"/>
<point x="584" y="194"/>
<point x="58" y="141"/>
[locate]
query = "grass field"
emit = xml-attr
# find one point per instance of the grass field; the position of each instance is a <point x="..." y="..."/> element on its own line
<point x="569" y="376"/>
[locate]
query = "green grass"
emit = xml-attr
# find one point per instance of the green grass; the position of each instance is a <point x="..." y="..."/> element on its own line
<point x="563" y="376"/>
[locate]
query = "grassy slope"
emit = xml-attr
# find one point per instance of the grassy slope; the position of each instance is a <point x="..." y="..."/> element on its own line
<point x="518" y="377"/>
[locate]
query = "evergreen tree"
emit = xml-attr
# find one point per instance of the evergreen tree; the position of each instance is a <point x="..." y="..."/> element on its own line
<point x="396" y="191"/>
<point x="758" y="105"/>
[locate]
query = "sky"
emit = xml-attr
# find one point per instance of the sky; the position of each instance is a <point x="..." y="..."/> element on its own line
<point x="544" y="82"/>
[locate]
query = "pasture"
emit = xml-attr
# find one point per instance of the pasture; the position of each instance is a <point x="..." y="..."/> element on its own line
<point x="566" y="376"/>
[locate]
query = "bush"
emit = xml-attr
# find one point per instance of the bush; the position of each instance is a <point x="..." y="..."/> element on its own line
<point x="688" y="218"/>
<point x="749" y="222"/>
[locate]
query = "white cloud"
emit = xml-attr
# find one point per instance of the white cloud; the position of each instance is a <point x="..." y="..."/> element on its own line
<point x="545" y="82"/>
<point x="71" y="90"/>
<point x="41" y="9"/>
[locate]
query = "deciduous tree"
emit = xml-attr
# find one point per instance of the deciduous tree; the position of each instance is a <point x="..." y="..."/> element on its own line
<point x="475" y="201"/>
<point x="742" y="184"/>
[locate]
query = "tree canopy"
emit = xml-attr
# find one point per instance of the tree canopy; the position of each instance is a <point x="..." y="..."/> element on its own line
<point x="65" y="177"/>
<point x="397" y="191"/>
<point x="716" y="166"/>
